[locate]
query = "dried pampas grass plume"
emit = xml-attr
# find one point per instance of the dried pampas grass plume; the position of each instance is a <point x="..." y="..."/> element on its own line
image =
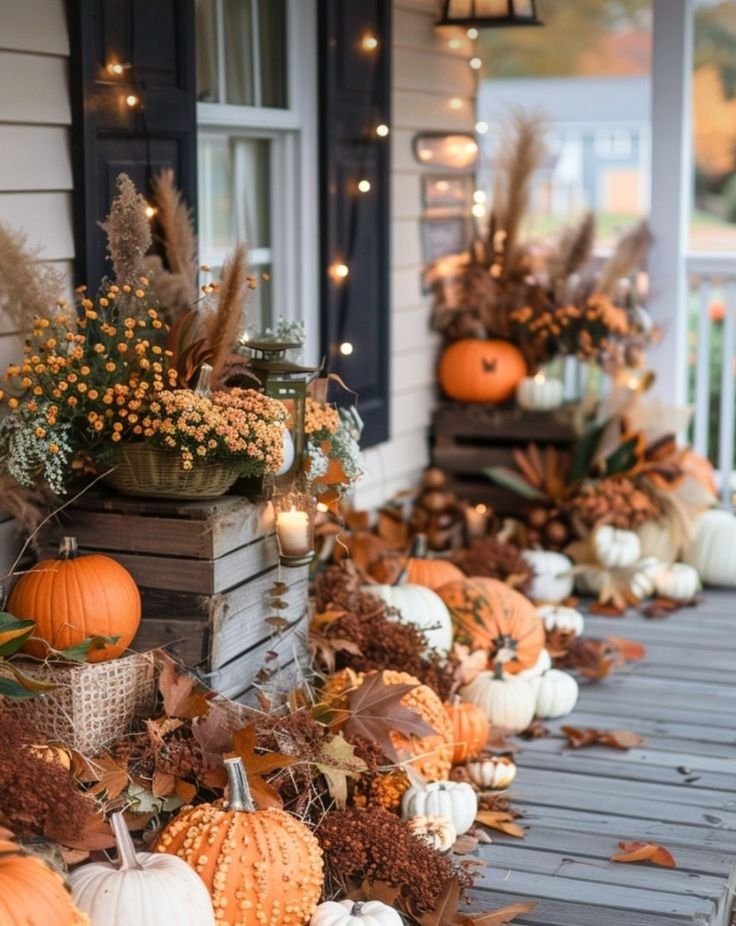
<point x="226" y="324"/>
<point x="629" y="256"/>
<point x="28" y="287"/>
<point x="176" y="287"/>
<point x="128" y="232"/>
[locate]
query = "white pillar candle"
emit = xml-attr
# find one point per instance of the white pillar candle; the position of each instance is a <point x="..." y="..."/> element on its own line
<point x="476" y="521"/>
<point x="292" y="530"/>
<point x="538" y="393"/>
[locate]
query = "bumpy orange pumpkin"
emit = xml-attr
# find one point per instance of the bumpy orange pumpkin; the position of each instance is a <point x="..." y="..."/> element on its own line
<point x="470" y="730"/>
<point x="473" y="370"/>
<point x="416" y="569"/>
<point x="433" y="753"/>
<point x="32" y="893"/>
<point x="74" y="597"/>
<point x="489" y="615"/>
<point x="260" y="866"/>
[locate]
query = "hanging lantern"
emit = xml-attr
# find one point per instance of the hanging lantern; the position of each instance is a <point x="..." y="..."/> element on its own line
<point x="489" y="14"/>
<point x="287" y="381"/>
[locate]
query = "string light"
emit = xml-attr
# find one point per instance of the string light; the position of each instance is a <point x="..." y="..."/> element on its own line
<point x="346" y="348"/>
<point x="481" y="127"/>
<point x="132" y="100"/>
<point x="115" y="68"/>
<point x="364" y="186"/>
<point x="382" y="130"/>
<point x="150" y="211"/>
<point x="456" y="103"/>
<point x="370" y="43"/>
<point x="455" y="43"/>
<point x="475" y="63"/>
<point x="340" y="271"/>
<point x="479" y="210"/>
<point x="472" y="33"/>
<point x="479" y="196"/>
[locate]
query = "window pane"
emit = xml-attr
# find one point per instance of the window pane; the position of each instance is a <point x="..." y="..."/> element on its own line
<point x="206" y="12"/>
<point x="272" y="22"/>
<point x="238" y="32"/>
<point x="713" y="225"/>
<point x="588" y="73"/>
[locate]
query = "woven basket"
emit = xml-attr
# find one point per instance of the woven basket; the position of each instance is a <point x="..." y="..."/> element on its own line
<point x="94" y="704"/>
<point x="144" y="470"/>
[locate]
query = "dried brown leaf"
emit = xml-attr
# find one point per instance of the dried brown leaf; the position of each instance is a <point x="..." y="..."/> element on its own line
<point x="644" y="852"/>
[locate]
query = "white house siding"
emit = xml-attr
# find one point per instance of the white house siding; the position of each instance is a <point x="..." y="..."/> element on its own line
<point x="35" y="157"/>
<point x="427" y="74"/>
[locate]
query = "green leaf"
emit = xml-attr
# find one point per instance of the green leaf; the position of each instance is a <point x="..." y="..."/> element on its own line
<point x="11" y="689"/>
<point x="17" y="632"/>
<point x="36" y="685"/>
<point x="510" y="479"/>
<point x="80" y="651"/>
<point x="623" y="458"/>
<point x="584" y="452"/>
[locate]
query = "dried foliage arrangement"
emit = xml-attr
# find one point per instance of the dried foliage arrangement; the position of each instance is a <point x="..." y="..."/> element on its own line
<point x="128" y="232"/>
<point x="28" y="286"/>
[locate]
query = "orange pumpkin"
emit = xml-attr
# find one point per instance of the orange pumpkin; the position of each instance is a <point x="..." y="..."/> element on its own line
<point x="74" y="597"/>
<point x="489" y="615"/>
<point x="433" y="753"/>
<point x="416" y="569"/>
<point x="470" y="729"/>
<point x="472" y="370"/>
<point x="31" y="892"/>
<point x="701" y="470"/>
<point x="260" y="866"/>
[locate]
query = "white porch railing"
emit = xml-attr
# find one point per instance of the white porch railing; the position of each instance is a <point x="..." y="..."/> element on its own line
<point x="712" y="360"/>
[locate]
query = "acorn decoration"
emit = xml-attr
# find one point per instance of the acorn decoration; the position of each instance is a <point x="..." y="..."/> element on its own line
<point x="437" y="512"/>
<point x="548" y="527"/>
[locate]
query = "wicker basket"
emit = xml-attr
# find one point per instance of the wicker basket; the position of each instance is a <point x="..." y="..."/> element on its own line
<point x="94" y="703"/>
<point x="144" y="470"/>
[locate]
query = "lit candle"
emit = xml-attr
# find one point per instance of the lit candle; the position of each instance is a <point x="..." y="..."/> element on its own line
<point x="292" y="530"/>
<point x="476" y="521"/>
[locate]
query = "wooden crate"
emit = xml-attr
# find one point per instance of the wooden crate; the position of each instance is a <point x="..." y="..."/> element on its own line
<point x="206" y="571"/>
<point x="467" y="439"/>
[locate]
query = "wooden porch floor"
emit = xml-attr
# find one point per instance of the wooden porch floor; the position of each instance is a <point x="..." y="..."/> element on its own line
<point x="678" y="790"/>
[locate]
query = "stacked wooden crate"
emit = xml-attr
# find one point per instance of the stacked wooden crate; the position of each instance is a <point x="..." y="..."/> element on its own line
<point x="209" y="577"/>
<point x="468" y="439"/>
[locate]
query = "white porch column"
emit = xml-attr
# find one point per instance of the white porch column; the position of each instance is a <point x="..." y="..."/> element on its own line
<point x="671" y="190"/>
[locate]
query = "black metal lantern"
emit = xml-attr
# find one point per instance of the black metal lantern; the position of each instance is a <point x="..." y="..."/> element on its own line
<point x="287" y="381"/>
<point x="489" y="14"/>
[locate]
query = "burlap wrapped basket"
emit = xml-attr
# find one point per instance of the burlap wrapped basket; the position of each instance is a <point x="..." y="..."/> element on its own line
<point x="93" y="703"/>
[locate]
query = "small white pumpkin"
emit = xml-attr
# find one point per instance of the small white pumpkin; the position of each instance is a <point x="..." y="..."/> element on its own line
<point x="455" y="801"/>
<point x="712" y="551"/>
<point x="437" y="832"/>
<point x="553" y="579"/>
<point x="558" y="617"/>
<point x="590" y="582"/>
<point x="544" y="662"/>
<point x="616" y="548"/>
<point x="539" y="393"/>
<point x="557" y="694"/>
<point x="508" y="700"/>
<point x="493" y="772"/>
<point x="354" y="913"/>
<point x="643" y="578"/>
<point x="289" y="452"/>
<point x="144" y="888"/>
<point x="421" y="607"/>
<point x="680" y="582"/>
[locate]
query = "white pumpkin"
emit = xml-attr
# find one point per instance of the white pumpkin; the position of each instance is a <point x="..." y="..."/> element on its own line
<point x="289" y="452"/>
<point x="143" y="888"/>
<point x="553" y="579"/>
<point x="557" y="694"/>
<point x="712" y="551"/>
<point x="616" y="548"/>
<point x="539" y="393"/>
<point x="455" y="801"/>
<point x="643" y="578"/>
<point x="493" y="772"/>
<point x="354" y="913"/>
<point x="589" y="582"/>
<point x="680" y="582"/>
<point x="508" y="701"/>
<point x="558" y="617"/>
<point x="421" y="607"/>
<point x="437" y="832"/>
<point x="544" y="662"/>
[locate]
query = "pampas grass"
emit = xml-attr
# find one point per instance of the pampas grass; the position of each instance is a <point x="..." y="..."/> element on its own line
<point x="574" y="248"/>
<point x="176" y="287"/>
<point x="128" y="232"/>
<point x="28" y="287"/>
<point x="629" y="256"/>
<point x="226" y="324"/>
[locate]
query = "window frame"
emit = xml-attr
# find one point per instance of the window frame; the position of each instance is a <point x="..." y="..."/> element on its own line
<point x="294" y="170"/>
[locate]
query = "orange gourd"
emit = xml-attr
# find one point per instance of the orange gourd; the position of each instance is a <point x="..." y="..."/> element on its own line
<point x="470" y="730"/>
<point x="416" y="569"/>
<point x="472" y="370"/>
<point x="433" y="754"/>
<point x="74" y="597"/>
<point x="489" y="615"/>
<point x="32" y="893"/>
<point x="260" y="866"/>
<point x="701" y="470"/>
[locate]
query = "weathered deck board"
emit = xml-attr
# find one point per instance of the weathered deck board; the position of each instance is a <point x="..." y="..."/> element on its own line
<point x="678" y="789"/>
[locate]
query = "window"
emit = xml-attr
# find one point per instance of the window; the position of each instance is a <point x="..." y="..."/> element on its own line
<point x="257" y="173"/>
<point x="613" y="144"/>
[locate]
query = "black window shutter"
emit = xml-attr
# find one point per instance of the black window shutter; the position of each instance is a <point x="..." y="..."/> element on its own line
<point x="154" y="41"/>
<point x="355" y="95"/>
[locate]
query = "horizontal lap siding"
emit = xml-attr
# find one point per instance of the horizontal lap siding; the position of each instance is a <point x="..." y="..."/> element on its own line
<point x="427" y="75"/>
<point x="35" y="156"/>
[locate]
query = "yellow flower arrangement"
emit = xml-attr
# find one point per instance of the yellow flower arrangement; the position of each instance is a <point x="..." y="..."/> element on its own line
<point x="320" y="417"/>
